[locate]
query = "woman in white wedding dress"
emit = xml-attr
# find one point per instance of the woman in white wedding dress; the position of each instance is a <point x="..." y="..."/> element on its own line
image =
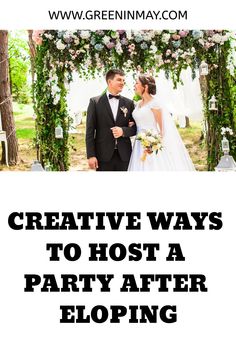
<point x="150" y="114"/>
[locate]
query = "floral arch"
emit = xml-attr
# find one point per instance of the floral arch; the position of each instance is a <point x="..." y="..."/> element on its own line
<point x="92" y="53"/>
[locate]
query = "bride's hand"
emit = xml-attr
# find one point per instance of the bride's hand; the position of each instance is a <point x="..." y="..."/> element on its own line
<point x="131" y="124"/>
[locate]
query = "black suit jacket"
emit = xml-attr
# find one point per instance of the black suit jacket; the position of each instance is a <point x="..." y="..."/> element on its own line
<point x="100" y="142"/>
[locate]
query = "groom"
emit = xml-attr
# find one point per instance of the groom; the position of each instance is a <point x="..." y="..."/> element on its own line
<point x="107" y="131"/>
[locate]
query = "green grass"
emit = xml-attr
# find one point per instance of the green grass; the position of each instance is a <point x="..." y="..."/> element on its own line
<point x="25" y="133"/>
<point x="25" y="125"/>
<point x="192" y="137"/>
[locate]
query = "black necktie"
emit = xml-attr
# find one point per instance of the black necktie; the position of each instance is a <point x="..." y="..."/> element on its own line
<point x="113" y="96"/>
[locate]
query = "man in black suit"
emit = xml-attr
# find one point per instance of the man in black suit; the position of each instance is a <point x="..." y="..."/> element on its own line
<point x="108" y="132"/>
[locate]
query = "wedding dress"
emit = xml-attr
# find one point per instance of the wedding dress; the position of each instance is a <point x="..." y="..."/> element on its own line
<point x="173" y="156"/>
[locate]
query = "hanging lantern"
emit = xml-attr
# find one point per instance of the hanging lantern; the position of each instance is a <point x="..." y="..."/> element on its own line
<point x="213" y="104"/>
<point x="58" y="132"/>
<point x="203" y="69"/>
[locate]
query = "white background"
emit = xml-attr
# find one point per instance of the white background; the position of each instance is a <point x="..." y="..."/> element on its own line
<point x="30" y="321"/>
<point x="34" y="14"/>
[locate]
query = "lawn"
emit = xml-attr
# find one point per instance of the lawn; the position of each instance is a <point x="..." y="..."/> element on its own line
<point x="25" y="130"/>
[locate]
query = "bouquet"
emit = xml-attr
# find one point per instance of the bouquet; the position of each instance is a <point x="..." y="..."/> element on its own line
<point x="150" y="141"/>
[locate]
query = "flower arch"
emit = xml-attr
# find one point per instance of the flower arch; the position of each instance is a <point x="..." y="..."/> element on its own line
<point x="92" y="53"/>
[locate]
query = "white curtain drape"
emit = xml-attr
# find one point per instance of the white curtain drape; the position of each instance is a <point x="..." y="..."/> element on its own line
<point x="183" y="101"/>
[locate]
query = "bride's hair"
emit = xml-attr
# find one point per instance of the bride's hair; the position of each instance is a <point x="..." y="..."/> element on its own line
<point x="150" y="82"/>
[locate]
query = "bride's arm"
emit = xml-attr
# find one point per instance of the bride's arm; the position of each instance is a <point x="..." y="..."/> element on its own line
<point x="158" y="118"/>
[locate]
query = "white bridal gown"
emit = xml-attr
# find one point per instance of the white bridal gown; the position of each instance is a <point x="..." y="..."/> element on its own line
<point x="173" y="156"/>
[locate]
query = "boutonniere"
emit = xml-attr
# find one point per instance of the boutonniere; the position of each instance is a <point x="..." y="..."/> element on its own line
<point x="124" y="110"/>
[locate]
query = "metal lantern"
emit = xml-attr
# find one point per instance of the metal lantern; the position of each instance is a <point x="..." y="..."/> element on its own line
<point x="36" y="166"/>
<point x="213" y="106"/>
<point x="227" y="163"/>
<point x="203" y="69"/>
<point x="58" y="132"/>
<point x="225" y="145"/>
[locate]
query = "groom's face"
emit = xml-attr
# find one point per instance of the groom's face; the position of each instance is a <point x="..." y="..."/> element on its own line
<point x="116" y="84"/>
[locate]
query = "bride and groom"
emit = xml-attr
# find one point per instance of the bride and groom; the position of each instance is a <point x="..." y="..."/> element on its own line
<point x="112" y="119"/>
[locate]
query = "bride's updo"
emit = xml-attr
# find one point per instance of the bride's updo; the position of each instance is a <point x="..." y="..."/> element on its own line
<point x="150" y="82"/>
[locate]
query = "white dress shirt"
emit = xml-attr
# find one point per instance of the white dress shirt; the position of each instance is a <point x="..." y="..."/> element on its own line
<point x="114" y="103"/>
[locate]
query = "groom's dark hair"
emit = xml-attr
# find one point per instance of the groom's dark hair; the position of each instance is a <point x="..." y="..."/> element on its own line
<point x="113" y="72"/>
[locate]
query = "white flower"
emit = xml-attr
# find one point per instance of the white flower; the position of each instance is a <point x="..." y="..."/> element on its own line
<point x="68" y="34"/>
<point x="165" y="37"/>
<point x="56" y="99"/>
<point x="201" y="41"/>
<point x="106" y="39"/>
<point x="48" y="35"/>
<point x="76" y="41"/>
<point x="60" y="45"/>
<point x="153" y="49"/>
<point x="124" y="110"/>
<point x="151" y="139"/>
<point x="217" y="38"/>
<point x="119" y="49"/>
<point x="226" y="130"/>
<point x="129" y="34"/>
<point x="85" y="34"/>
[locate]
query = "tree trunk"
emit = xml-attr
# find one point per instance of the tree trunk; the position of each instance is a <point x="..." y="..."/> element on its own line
<point x="187" y="121"/>
<point x="32" y="55"/>
<point x="8" y="124"/>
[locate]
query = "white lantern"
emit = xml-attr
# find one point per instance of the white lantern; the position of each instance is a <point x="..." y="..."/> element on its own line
<point x="225" y="145"/>
<point x="213" y="104"/>
<point x="36" y="166"/>
<point x="226" y="163"/>
<point x="203" y="69"/>
<point x="58" y="132"/>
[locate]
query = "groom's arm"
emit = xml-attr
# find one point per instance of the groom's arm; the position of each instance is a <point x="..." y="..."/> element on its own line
<point x="130" y="131"/>
<point x="91" y="129"/>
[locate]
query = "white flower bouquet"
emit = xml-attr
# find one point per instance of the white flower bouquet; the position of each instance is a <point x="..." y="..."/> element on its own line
<point x="151" y="142"/>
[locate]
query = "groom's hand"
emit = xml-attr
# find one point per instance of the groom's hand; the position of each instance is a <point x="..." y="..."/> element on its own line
<point x="93" y="163"/>
<point x="117" y="132"/>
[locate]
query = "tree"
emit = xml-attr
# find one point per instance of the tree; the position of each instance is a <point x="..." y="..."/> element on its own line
<point x="32" y="49"/>
<point x="6" y="109"/>
<point x="19" y="65"/>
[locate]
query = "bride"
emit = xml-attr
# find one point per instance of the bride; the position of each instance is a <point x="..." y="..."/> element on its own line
<point x="149" y="114"/>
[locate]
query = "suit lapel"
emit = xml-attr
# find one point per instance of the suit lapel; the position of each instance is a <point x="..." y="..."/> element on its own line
<point x="108" y="108"/>
<point x="121" y="104"/>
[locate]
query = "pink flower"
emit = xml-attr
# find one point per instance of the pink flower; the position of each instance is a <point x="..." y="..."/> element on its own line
<point x="168" y="52"/>
<point x="176" y="37"/>
<point x="183" y="33"/>
<point x="207" y="45"/>
<point x="37" y="36"/>
<point x="131" y="47"/>
<point x="110" y="45"/>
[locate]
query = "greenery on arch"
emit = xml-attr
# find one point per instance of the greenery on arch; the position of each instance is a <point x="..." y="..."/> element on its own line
<point x="92" y="53"/>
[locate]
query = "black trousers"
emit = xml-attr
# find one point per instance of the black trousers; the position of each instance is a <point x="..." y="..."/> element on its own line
<point x="115" y="164"/>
